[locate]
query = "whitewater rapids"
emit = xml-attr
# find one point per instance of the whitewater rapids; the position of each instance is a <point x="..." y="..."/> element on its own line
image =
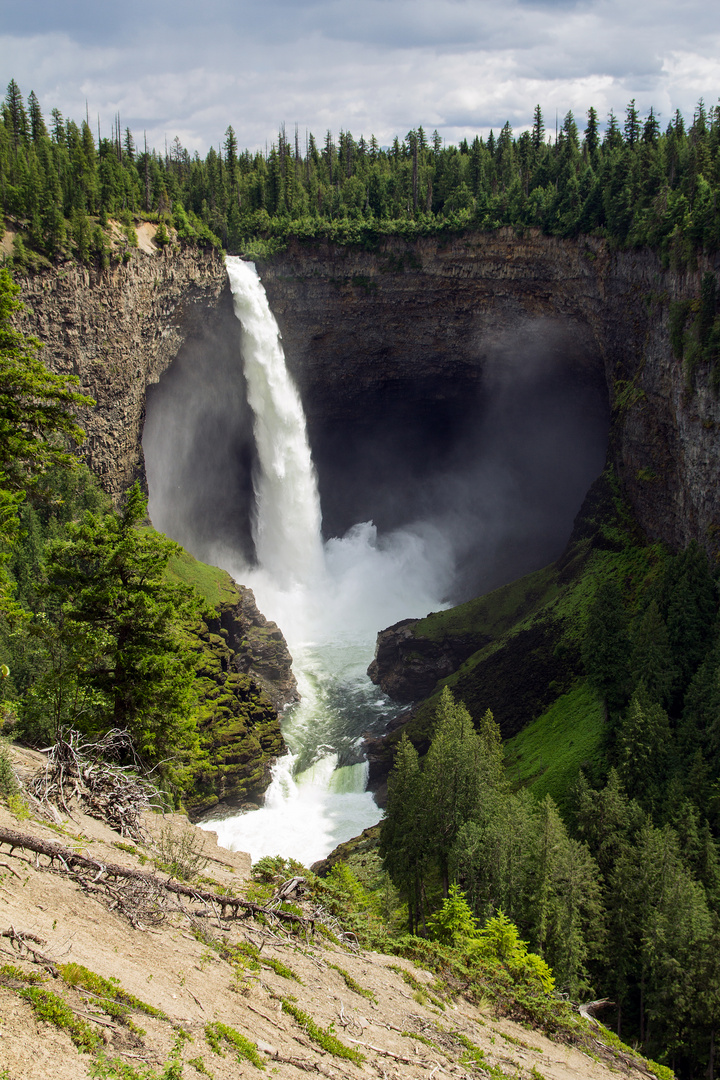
<point x="330" y="599"/>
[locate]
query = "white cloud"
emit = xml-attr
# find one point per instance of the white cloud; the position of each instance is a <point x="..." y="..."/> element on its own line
<point x="380" y="66"/>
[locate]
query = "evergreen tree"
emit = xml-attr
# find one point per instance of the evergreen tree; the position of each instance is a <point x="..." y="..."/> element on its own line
<point x="402" y="846"/>
<point x="613" y="136"/>
<point x="38" y="130"/>
<point x="566" y="901"/>
<point x="651" y="659"/>
<point x="36" y="405"/>
<point x="651" y="129"/>
<point x="231" y="156"/>
<point x="644" y="747"/>
<point x="15" y="115"/>
<point x="689" y="603"/>
<point x="592" y="134"/>
<point x="632" y="125"/>
<point x="108" y="577"/>
<point x="452" y="778"/>
<point x="538" y="130"/>
<point x="606" y="645"/>
<point x="129" y="145"/>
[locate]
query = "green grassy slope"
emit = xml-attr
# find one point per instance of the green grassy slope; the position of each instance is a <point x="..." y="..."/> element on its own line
<point x="529" y="671"/>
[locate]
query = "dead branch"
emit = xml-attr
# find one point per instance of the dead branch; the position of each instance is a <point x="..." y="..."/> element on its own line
<point x="590" y="1008"/>
<point x="108" y="876"/>
<point x="19" y="940"/>
<point x="89" y="775"/>
<point x="379" y="1050"/>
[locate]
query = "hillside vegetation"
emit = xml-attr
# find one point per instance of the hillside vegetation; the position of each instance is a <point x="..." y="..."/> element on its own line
<point x="177" y="963"/>
<point x="595" y="826"/>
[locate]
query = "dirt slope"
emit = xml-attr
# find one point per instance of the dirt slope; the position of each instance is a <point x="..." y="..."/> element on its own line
<point x="400" y="1030"/>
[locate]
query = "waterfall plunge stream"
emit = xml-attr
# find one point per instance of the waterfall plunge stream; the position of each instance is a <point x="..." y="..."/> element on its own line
<point x="329" y="599"/>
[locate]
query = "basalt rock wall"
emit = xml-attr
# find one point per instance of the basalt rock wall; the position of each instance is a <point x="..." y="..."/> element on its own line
<point x="405" y="331"/>
<point x="118" y="330"/>
<point x="367" y="332"/>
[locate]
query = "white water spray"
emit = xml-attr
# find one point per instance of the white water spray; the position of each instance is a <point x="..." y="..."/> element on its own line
<point x="330" y="603"/>
<point x="287" y="521"/>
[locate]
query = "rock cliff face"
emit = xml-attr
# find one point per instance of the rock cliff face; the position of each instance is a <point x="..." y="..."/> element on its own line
<point x="118" y="330"/>
<point x="371" y="334"/>
<point x="393" y="350"/>
<point x="408" y="667"/>
<point x="395" y="342"/>
<point x="244" y="678"/>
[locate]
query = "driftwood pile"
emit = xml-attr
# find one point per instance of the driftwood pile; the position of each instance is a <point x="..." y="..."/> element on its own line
<point x="89" y="775"/>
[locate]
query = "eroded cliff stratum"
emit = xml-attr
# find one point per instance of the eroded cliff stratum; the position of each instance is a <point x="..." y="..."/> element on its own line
<point x="399" y="353"/>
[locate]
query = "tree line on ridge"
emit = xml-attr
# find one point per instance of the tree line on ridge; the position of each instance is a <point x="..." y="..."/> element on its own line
<point x="634" y="183"/>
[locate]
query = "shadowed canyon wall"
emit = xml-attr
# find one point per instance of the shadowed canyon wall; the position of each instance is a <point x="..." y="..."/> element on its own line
<point x="394" y="351"/>
<point x="118" y="330"/>
<point x="433" y="317"/>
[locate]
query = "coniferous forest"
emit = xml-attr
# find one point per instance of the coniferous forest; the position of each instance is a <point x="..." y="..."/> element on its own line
<point x="632" y="180"/>
<point x="618" y="887"/>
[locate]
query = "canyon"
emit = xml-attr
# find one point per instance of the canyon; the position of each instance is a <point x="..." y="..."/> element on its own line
<point x="398" y="340"/>
<point x="400" y="354"/>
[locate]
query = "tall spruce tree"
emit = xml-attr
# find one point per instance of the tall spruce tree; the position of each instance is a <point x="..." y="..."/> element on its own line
<point x="108" y="578"/>
<point x="606" y="645"/>
<point x="452" y="778"/>
<point x="402" y="834"/>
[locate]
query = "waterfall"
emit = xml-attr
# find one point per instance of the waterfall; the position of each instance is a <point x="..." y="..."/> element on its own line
<point x="286" y="529"/>
<point x="329" y="600"/>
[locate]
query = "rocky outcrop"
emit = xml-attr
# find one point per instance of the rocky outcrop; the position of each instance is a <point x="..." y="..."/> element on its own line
<point x="259" y="649"/>
<point x="408" y="667"/>
<point x="118" y="330"/>
<point x="244" y="680"/>
<point x="239" y="731"/>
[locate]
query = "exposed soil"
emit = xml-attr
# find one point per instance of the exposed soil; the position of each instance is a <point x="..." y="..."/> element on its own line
<point x="169" y="968"/>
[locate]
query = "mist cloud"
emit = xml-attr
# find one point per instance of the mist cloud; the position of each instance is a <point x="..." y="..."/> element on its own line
<point x="487" y="490"/>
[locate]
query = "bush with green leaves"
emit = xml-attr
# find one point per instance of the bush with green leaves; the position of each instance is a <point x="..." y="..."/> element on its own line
<point x="499" y="940"/>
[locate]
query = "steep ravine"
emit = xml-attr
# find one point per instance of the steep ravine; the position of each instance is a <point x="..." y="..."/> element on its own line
<point x="393" y="350"/>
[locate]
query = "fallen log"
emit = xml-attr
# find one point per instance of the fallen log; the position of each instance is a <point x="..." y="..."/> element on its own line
<point x="70" y="859"/>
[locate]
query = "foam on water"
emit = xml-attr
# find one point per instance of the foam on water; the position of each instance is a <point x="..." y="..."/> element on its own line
<point x="330" y="602"/>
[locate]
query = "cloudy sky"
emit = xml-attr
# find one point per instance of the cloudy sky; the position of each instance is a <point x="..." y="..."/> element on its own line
<point x="171" y="67"/>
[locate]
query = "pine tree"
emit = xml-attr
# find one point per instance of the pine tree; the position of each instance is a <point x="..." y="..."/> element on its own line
<point x="651" y="129"/>
<point x="592" y="135"/>
<point x="36" y="405"/>
<point x="538" y="130"/>
<point x="452" y="778"/>
<point x="613" y="136"/>
<point x="651" y="658"/>
<point x="644" y="749"/>
<point x="689" y="603"/>
<point x="38" y="130"/>
<point x="632" y="125"/>
<point x="402" y="846"/>
<point x="231" y="156"/>
<point x="15" y="115"/>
